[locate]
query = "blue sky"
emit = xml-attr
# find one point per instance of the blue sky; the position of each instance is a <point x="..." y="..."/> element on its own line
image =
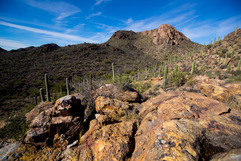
<point x="26" y="23"/>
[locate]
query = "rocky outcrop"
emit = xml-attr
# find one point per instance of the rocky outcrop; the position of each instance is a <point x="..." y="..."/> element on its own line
<point x="107" y="142"/>
<point x="186" y="126"/>
<point x="117" y="103"/>
<point x="124" y="35"/>
<point x="174" y="125"/>
<point x="37" y="110"/>
<point x="165" y="34"/>
<point x="64" y="117"/>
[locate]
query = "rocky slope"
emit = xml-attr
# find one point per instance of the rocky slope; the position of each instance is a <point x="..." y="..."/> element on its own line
<point x="174" y="125"/>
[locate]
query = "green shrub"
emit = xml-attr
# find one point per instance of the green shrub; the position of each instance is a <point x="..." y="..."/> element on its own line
<point x="209" y="46"/>
<point x="141" y="87"/>
<point x="14" y="129"/>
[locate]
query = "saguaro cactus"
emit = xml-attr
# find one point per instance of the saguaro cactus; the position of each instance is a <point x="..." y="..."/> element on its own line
<point x="91" y="81"/>
<point x="219" y="60"/>
<point x="138" y="74"/>
<point x="229" y="67"/>
<point x="47" y="87"/>
<point x="193" y="66"/>
<point x="226" y="59"/>
<point x="113" y="72"/>
<point x="67" y="86"/>
<point x="165" y="77"/>
<point x="165" y="72"/>
<point x="176" y="71"/>
<point x="238" y="67"/>
<point x="41" y="95"/>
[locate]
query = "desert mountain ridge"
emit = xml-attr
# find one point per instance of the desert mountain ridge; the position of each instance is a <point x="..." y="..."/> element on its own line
<point x="164" y="34"/>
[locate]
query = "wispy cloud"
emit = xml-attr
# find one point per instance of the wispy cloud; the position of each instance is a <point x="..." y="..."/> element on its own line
<point x="202" y="31"/>
<point x="98" y="2"/>
<point x="94" y="15"/>
<point x="12" y="44"/>
<point x="49" y="33"/>
<point x="176" y="17"/>
<point x="62" y="9"/>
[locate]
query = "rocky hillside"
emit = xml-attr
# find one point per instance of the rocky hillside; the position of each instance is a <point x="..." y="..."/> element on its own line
<point x="159" y="43"/>
<point x="187" y="106"/>
<point x="22" y="70"/>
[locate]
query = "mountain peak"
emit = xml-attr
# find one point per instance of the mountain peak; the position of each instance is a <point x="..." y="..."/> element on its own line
<point x="124" y="35"/>
<point x="165" y="34"/>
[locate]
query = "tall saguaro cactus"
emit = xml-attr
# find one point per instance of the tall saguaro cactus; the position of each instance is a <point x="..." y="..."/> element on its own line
<point x="226" y="59"/>
<point x="47" y="87"/>
<point x="238" y="67"/>
<point x="67" y="86"/>
<point x="165" y="77"/>
<point x="165" y="72"/>
<point x="229" y="67"/>
<point x="113" y="72"/>
<point x="219" y="60"/>
<point x="91" y="81"/>
<point x="41" y="95"/>
<point x="193" y="66"/>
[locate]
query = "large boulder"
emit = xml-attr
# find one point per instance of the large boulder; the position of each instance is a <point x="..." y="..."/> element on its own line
<point x="115" y="102"/>
<point x="64" y="117"/>
<point x="186" y="126"/>
<point x="107" y="140"/>
<point x="37" y="110"/>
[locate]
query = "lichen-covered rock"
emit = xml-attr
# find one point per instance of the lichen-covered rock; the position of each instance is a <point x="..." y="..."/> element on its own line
<point x="186" y="126"/>
<point x="116" y="103"/>
<point x="64" y="117"/>
<point x="109" y="142"/>
<point x="105" y="105"/>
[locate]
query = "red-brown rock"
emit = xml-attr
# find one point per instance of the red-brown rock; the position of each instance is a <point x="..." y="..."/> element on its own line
<point x="165" y="34"/>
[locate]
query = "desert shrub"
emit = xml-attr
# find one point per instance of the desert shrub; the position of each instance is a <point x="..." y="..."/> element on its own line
<point x="141" y="87"/>
<point x="15" y="128"/>
<point x="209" y="46"/>
<point x="236" y="76"/>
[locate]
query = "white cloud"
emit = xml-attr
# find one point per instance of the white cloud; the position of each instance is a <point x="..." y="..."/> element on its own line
<point x="49" y="33"/>
<point x="98" y="2"/>
<point x="94" y="15"/>
<point x="11" y="44"/>
<point x="63" y="9"/>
